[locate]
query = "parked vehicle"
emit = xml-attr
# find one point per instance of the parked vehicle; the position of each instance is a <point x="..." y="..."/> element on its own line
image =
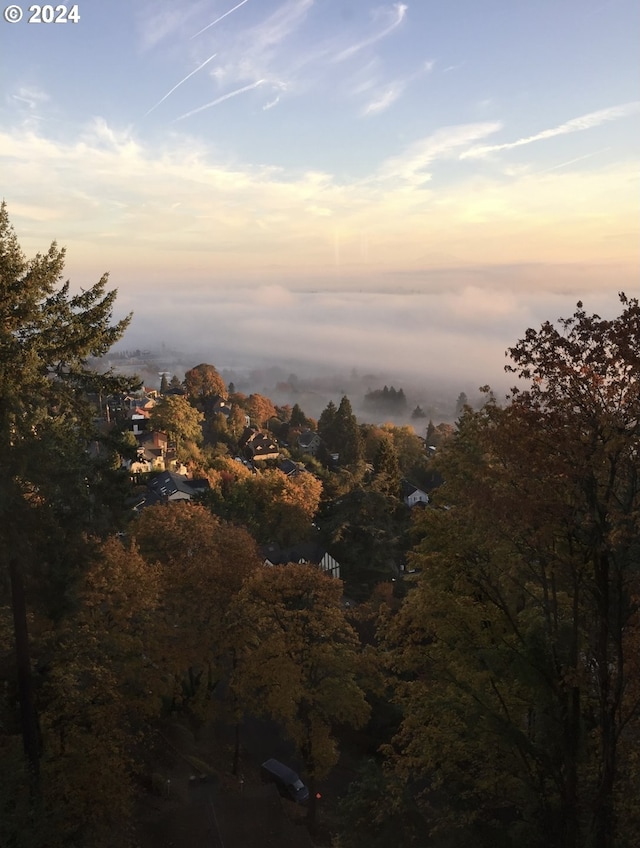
<point x="286" y="780"/>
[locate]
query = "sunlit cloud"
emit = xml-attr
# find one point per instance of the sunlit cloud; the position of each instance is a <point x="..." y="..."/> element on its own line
<point x="411" y="166"/>
<point x="231" y="221"/>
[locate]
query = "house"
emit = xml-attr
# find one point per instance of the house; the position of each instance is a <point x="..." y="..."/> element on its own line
<point x="142" y="399"/>
<point x="167" y="486"/>
<point x="258" y="445"/>
<point x="139" y="418"/>
<point x="412" y="495"/>
<point x="312" y="553"/>
<point x="289" y="467"/>
<point x="309" y="442"/>
<point x="154" y="453"/>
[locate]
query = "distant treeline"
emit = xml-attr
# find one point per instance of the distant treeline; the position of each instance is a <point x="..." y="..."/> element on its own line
<point x="387" y="398"/>
<point x="131" y="354"/>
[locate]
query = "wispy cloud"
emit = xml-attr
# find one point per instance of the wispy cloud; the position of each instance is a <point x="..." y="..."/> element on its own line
<point x="159" y="20"/>
<point x="255" y="52"/>
<point x="29" y="96"/>
<point x="221" y="99"/>
<point x="390" y="92"/>
<point x="217" y="20"/>
<point x="411" y="166"/>
<point x="584" y="122"/>
<point x="396" y="15"/>
<point x="177" y="85"/>
<point x="383" y="100"/>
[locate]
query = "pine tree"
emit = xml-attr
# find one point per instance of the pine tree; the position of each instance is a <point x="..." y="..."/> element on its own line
<point x="347" y="434"/>
<point x="327" y="425"/>
<point x="50" y="485"/>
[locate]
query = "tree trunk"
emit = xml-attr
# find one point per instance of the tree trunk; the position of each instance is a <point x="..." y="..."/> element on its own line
<point x="312" y="805"/>
<point x="28" y="718"/>
<point x="236" y="748"/>
<point x="603" y="820"/>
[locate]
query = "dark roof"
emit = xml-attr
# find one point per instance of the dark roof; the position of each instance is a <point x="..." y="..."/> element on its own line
<point x="408" y="488"/>
<point x="289" y="467"/>
<point x="167" y="483"/>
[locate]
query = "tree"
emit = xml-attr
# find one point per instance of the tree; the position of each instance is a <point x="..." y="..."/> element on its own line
<point x="175" y="416"/>
<point x="367" y="535"/>
<point x="203" y="562"/>
<point x="346" y="433"/>
<point x="274" y="507"/>
<point x="326" y="426"/>
<point x="298" y="418"/>
<point x="386" y="469"/>
<point x="49" y="482"/>
<point x="461" y="402"/>
<point x="298" y="659"/>
<point x="260" y="409"/>
<point x="523" y="630"/>
<point x="164" y="383"/>
<point x="100" y="687"/>
<point x="203" y="384"/>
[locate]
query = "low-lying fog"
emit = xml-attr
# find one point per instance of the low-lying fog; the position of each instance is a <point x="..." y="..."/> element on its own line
<point x="309" y="347"/>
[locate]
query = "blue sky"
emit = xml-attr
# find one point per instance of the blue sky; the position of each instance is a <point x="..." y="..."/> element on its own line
<point x="414" y="180"/>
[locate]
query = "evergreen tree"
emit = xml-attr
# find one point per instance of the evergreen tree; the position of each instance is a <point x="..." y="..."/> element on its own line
<point x="461" y="402"/>
<point x="431" y="432"/>
<point x="164" y="383"/>
<point x="347" y="434"/>
<point x="50" y="484"/>
<point x="386" y="469"/>
<point x="298" y="418"/>
<point x="327" y="426"/>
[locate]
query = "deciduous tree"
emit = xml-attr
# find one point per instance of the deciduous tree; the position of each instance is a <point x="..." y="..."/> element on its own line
<point x="176" y="417"/>
<point x="260" y="409"/>
<point x="203" y="383"/>
<point x="298" y="660"/>
<point x="516" y="648"/>
<point x="203" y="563"/>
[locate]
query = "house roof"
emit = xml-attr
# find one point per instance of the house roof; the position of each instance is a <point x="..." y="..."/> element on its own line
<point x="289" y="467"/>
<point x="168" y="483"/>
<point x="307" y="438"/>
<point x="302" y="552"/>
<point x="407" y="488"/>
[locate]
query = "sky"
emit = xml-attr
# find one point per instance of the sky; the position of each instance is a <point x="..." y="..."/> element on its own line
<point x="405" y="185"/>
